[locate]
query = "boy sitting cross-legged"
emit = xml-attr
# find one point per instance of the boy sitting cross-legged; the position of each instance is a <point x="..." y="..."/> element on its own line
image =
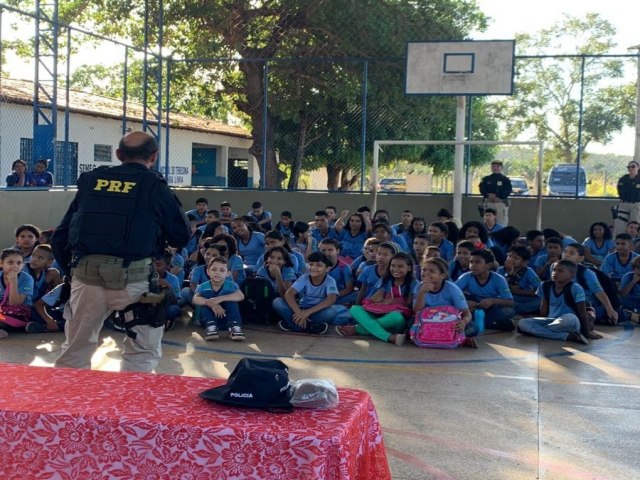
<point x="564" y="315"/>
<point x="315" y="308"/>
<point x="220" y="295"/>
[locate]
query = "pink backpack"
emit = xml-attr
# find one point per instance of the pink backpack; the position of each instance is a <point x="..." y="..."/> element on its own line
<point x="435" y="327"/>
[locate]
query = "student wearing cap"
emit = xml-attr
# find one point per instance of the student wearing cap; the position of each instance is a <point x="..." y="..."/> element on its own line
<point x="495" y="189"/>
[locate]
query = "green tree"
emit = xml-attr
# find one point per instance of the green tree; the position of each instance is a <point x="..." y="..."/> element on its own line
<point x="547" y="98"/>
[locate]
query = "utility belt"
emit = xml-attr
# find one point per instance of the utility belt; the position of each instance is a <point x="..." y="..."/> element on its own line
<point x="150" y="309"/>
<point x="109" y="272"/>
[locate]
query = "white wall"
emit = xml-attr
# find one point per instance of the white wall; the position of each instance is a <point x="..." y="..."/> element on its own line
<point x="16" y="122"/>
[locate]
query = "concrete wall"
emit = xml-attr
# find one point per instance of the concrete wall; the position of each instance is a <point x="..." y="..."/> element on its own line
<point x="46" y="208"/>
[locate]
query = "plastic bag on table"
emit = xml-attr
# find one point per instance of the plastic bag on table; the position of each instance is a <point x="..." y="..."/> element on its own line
<point x="314" y="393"/>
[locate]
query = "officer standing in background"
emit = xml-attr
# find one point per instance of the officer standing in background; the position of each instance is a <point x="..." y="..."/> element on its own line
<point x="629" y="192"/>
<point x="120" y="218"/>
<point x="495" y="189"/>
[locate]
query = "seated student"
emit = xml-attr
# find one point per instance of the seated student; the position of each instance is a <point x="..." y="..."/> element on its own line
<point x="367" y="258"/>
<point x="502" y="241"/>
<point x="535" y="242"/>
<point x="489" y="220"/>
<point x="598" y="244"/>
<point x="488" y="291"/>
<point x="275" y="239"/>
<point x="432" y="252"/>
<point x="302" y="240"/>
<point x="199" y="213"/>
<point x="26" y="240"/>
<point x="332" y="215"/>
<point x="213" y="225"/>
<point x="39" y="176"/>
<point x="340" y="271"/>
<point x="198" y="274"/>
<point x="404" y="226"/>
<point x="16" y="288"/>
<point x="597" y="297"/>
<point x="616" y="264"/>
<point x="418" y="227"/>
<point x="381" y="215"/>
<point x="220" y="295"/>
<point x="226" y="215"/>
<point x="371" y="275"/>
<point x="170" y="284"/>
<point x="45" y="277"/>
<point x="177" y="264"/>
<point x="278" y="269"/>
<point x="542" y="265"/>
<point x="438" y="238"/>
<point x="387" y="311"/>
<point x="196" y="235"/>
<point x="633" y="229"/>
<point x="285" y="226"/>
<point x="315" y="307"/>
<point x="321" y="228"/>
<point x="235" y="264"/>
<point x="47" y="314"/>
<point x="552" y="233"/>
<point x="352" y="237"/>
<point x="472" y="229"/>
<point x="260" y="216"/>
<point x="250" y="243"/>
<point x="460" y="263"/>
<point x="564" y="315"/>
<point x="523" y="281"/>
<point x="18" y="176"/>
<point x="420" y="249"/>
<point x="437" y="290"/>
<point x="630" y="288"/>
<point x="382" y="231"/>
<point x="366" y="213"/>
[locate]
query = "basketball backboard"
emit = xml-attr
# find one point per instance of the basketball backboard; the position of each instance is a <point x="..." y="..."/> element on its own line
<point x="467" y="67"/>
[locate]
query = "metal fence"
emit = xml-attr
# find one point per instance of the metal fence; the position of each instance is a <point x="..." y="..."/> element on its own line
<point x="319" y="117"/>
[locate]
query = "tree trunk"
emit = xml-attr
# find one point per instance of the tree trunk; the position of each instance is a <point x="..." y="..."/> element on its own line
<point x="253" y="72"/>
<point x="334" y="172"/>
<point x="296" y="166"/>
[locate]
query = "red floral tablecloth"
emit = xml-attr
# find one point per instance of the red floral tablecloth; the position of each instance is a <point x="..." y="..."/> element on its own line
<point x="81" y="424"/>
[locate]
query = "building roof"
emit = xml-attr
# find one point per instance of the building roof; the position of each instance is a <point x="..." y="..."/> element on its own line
<point x="21" y="92"/>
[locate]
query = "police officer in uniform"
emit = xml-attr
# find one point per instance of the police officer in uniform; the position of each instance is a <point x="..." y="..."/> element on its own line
<point x="629" y="192"/>
<point x="495" y="189"/>
<point x="120" y="218"/>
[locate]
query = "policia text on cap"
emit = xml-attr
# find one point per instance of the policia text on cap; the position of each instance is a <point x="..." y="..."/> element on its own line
<point x="120" y="218"/>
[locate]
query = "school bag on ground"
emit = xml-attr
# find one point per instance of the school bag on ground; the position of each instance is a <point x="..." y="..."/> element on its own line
<point x="258" y="297"/>
<point x="435" y="327"/>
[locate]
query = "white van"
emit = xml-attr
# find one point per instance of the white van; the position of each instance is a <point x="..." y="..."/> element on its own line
<point x="563" y="178"/>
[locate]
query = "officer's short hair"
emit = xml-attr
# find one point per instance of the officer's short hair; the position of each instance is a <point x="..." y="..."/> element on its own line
<point x="142" y="151"/>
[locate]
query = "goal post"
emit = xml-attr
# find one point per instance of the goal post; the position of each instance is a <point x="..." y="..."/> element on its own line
<point x="459" y="169"/>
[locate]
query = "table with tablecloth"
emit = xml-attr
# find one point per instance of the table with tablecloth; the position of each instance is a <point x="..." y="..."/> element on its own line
<point x="82" y="424"/>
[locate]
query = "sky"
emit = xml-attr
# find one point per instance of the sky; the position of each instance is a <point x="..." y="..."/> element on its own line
<point x="509" y="17"/>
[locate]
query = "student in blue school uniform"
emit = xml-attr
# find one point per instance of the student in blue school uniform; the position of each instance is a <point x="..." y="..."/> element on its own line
<point x="486" y="290"/>
<point x="47" y="314"/>
<point x="45" y="277"/>
<point x="489" y="220"/>
<point x="522" y="280"/>
<point x="250" y="243"/>
<point x="598" y="244"/>
<point x="26" y="240"/>
<point x="285" y="226"/>
<point x="235" y="265"/>
<point x="543" y="263"/>
<point x="371" y="275"/>
<point x="417" y="227"/>
<point x="260" y="216"/>
<point x="226" y="215"/>
<point x="200" y="212"/>
<point x="563" y="310"/>
<point x="383" y="232"/>
<point x="340" y="271"/>
<point x="460" y="264"/>
<point x="630" y="288"/>
<point x="309" y="305"/>
<point x="367" y="258"/>
<point x="275" y="239"/>
<point x="219" y="298"/>
<point x="352" y="237"/>
<point x="535" y="242"/>
<point x="321" y="228"/>
<point x="16" y="288"/>
<point x="402" y="228"/>
<point x="596" y="297"/>
<point x="616" y="264"/>
<point x="39" y="176"/>
<point x="278" y="269"/>
<point x="169" y="283"/>
<point x="437" y="232"/>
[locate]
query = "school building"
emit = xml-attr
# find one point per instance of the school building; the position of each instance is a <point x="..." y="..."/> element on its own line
<point x="202" y="152"/>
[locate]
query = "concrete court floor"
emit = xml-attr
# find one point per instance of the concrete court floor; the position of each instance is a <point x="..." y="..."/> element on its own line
<point x="516" y="408"/>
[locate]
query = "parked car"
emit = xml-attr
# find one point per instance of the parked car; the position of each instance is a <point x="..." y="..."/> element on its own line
<point x="519" y="186"/>
<point x="392" y="185"/>
<point x="567" y="179"/>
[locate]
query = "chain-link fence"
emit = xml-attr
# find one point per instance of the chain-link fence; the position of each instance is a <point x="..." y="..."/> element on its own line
<point x="307" y="124"/>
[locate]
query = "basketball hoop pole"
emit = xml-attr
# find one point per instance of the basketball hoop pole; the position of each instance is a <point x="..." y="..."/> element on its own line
<point x="458" y="162"/>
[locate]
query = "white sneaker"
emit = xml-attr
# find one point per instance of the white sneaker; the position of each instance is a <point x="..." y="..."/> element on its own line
<point x="211" y="333"/>
<point x="235" y="333"/>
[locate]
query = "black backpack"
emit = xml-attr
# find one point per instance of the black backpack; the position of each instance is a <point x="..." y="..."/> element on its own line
<point x="258" y="297"/>
<point x="605" y="281"/>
